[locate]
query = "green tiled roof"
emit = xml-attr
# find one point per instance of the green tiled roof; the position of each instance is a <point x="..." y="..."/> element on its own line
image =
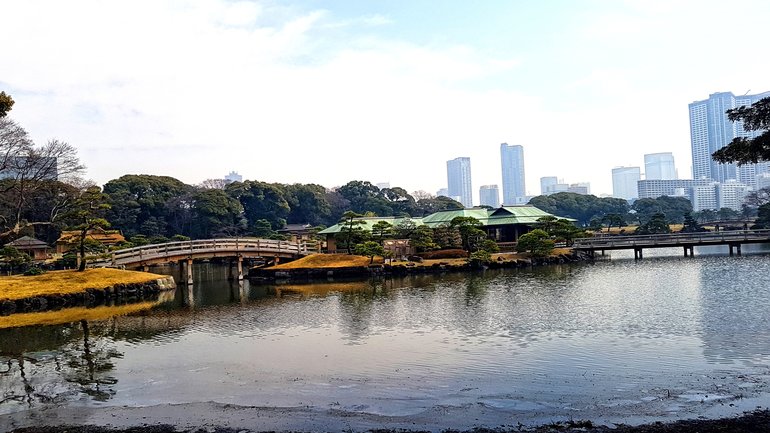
<point x="369" y="222"/>
<point x="506" y="215"/>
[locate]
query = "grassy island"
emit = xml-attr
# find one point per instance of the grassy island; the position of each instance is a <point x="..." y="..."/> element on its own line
<point x="69" y="282"/>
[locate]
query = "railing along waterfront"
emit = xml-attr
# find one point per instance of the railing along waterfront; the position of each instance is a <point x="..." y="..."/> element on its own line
<point x="207" y="248"/>
<point x="672" y="240"/>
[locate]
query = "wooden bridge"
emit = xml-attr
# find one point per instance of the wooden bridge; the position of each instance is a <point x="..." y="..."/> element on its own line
<point x="733" y="239"/>
<point x="187" y="251"/>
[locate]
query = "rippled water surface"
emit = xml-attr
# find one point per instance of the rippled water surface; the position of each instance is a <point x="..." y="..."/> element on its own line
<point x="664" y="335"/>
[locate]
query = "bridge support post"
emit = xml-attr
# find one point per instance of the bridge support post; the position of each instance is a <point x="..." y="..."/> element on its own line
<point x="638" y="254"/>
<point x="738" y="249"/>
<point x="189" y="272"/>
<point x="230" y="270"/>
<point x="240" y="268"/>
<point x="689" y="251"/>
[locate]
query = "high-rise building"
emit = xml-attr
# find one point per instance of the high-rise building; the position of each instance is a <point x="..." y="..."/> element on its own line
<point x="548" y="184"/>
<point x="711" y="130"/>
<point x="580" y="188"/>
<point x="458" y="174"/>
<point x="512" y="160"/>
<point x="489" y="195"/>
<point x="730" y="194"/>
<point x="624" y="182"/>
<point x="443" y="192"/>
<point x="659" y="166"/>
<point x="383" y="185"/>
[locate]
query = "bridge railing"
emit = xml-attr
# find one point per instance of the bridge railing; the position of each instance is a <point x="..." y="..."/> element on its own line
<point x="673" y="238"/>
<point x="229" y="245"/>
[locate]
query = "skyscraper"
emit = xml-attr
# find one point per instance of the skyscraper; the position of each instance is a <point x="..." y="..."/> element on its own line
<point x="624" y="182"/>
<point x="458" y="175"/>
<point x="659" y="166"/>
<point x="711" y="130"/>
<point x="489" y="195"/>
<point x="548" y="185"/>
<point x="512" y="159"/>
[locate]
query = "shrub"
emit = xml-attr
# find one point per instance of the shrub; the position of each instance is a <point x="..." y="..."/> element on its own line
<point x="479" y="258"/>
<point x="34" y="270"/>
<point x="445" y="254"/>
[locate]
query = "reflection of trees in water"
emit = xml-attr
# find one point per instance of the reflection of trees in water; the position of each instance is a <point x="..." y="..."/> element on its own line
<point x="51" y="364"/>
<point x="81" y="364"/>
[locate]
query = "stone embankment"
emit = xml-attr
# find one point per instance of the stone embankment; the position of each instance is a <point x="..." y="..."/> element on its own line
<point x="408" y="268"/>
<point x="117" y="293"/>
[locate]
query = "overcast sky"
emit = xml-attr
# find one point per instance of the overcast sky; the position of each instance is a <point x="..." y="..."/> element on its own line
<point x="385" y="91"/>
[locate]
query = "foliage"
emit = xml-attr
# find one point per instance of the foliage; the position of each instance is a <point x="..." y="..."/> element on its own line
<point x="216" y="214"/>
<point x="351" y="232"/>
<point x="34" y="270"/>
<point x="690" y="225"/>
<point x="260" y="201"/>
<point x="657" y="224"/>
<point x="674" y="208"/>
<point x="382" y="230"/>
<point x="480" y="257"/>
<point x="404" y="228"/>
<point x="146" y="204"/>
<point x="6" y="103"/>
<point x="763" y="217"/>
<point x="179" y="238"/>
<point x="470" y="233"/>
<point x="582" y="207"/>
<point x="447" y="237"/>
<point x="308" y="204"/>
<point x="422" y="239"/>
<point x="88" y="212"/>
<point x="13" y="258"/>
<point x="489" y="246"/>
<point x="614" y="219"/>
<point x="430" y="205"/>
<point x="263" y="229"/>
<point x="744" y="150"/>
<point x="537" y="243"/>
<point x="455" y="253"/>
<point x="369" y="249"/>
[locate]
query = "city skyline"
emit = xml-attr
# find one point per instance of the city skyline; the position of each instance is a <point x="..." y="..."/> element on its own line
<point x="409" y="82"/>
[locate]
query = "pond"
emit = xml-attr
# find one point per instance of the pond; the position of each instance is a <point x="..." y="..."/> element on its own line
<point x="617" y="340"/>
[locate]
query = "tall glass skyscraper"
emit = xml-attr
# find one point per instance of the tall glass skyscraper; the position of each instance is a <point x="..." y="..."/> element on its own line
<point x="659" y="166"/>
<point x="625" y="182"/>
<point x="489" y="196"/>
<point x="458" y="176"/>
<point x="710" y="130"/>
<point x="512" y="159"/>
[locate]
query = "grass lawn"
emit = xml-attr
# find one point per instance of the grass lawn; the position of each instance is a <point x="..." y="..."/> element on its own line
<point x="65" y="282"/>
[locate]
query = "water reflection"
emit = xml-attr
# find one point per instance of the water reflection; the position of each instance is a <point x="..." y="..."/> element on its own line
<point x="561" y="336"/>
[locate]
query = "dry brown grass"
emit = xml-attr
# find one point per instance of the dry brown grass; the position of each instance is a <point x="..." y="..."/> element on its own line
<point x="66" y="282"/>
<point x="70" y="315"/>
<point x="327" y="261"/>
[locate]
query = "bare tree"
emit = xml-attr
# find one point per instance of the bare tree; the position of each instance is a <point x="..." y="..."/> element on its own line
<point x="213" y="184"/>
<point x="422" y="195"/>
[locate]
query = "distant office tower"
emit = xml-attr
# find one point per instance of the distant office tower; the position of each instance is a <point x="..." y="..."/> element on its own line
<point x="383" y="185"/>
<point x="233" y="177"/>
<point x="730" y="194"/>
<point x="548" y="185"/>
<point x="580" y="188"/>
<point x="512" y="160"/>
<point x="458" y="174"/>
<point x="659" y="166"/>
<point x="489" y="195"/>
<point x="711" y="130"/>
<point x="443" y="192"/>
<point x="624" y="182"/>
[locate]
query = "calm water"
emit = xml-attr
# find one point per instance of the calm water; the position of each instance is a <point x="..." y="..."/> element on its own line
<point x="663" y="337"/>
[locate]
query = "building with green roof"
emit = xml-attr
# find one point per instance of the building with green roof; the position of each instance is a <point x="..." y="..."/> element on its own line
<point x="504" y="224"/>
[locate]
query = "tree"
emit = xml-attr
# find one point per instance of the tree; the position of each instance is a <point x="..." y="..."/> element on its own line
<point x="363" y="197"/>
<point x="149" y="205"/>
<point x="763" y="217"/>
<point x="744" y="150"/>
<point x="6" y="103"/>
<point x="582" y="207"/>
<point x="690" y="225"/>
<point x="213" y="184"/>
<point x="308" y="204"/>
<point x="13" y="257"/>
<point x="537" y="243"/>
<point x="351" y="229"/>
<point x="88" y="210"/>
<point x="470" y="232"/>
<point x="422" y="239"/>
<point x="399" y="201"/>
<point x="674" y="208"/>
<point x="369" y="249"/>
<point x="614" y="219"/>
<point x="261" y="200"/>
<point x="216" y="214"/>
<point x="382" y="230"/>
<point x="429" y="205"/>
<point x="447" y="237"/>
<point x="656" y="225"/>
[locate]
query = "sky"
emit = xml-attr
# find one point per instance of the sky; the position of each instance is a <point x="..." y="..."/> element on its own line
<point x="327" y="92"/>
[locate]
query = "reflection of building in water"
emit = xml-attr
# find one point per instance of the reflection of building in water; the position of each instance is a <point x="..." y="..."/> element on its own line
<point x="734" y="314"/>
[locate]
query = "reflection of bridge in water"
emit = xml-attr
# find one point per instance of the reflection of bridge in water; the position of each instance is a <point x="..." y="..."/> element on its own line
<point x="733" y="239"/>
<point x="185" y="252"/>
